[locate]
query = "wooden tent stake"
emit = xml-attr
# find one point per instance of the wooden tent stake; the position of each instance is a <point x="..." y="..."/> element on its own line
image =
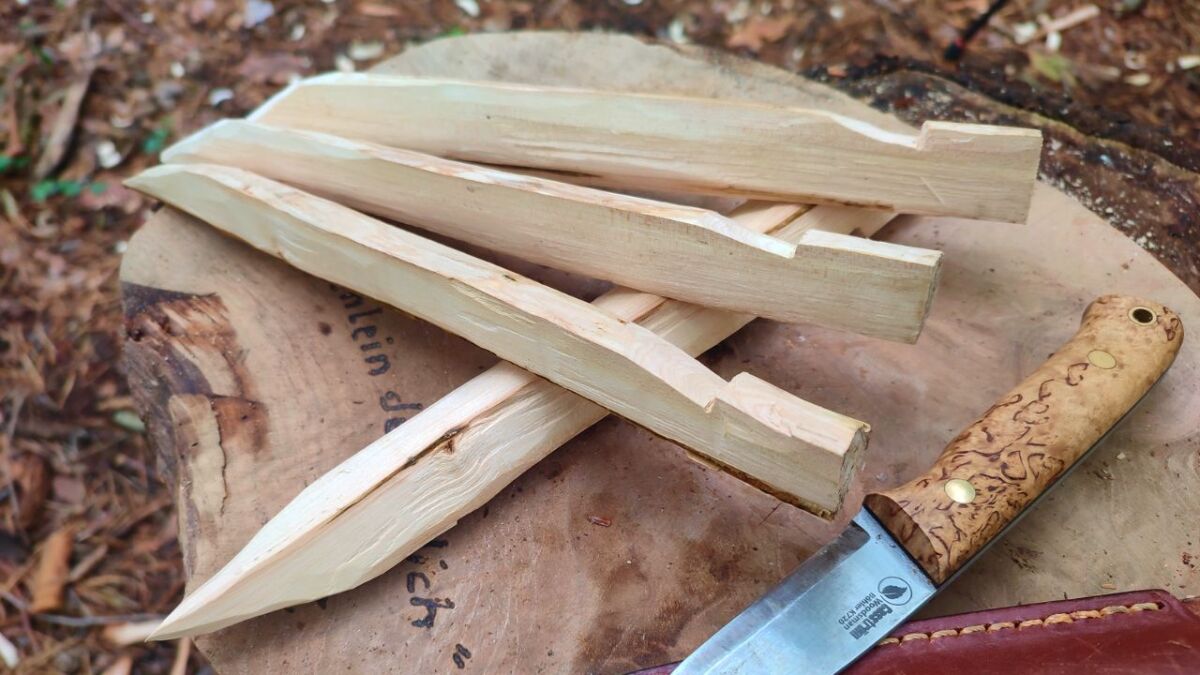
<point x="691" y="254"/>
<point x="783" y="445"/>
<point x="679" y="144"/>
<point x="498" y="425"/>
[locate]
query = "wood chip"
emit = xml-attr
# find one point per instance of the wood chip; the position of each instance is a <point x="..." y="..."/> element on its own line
<point x="9" y="653"/>
<point x="50" y="575"/>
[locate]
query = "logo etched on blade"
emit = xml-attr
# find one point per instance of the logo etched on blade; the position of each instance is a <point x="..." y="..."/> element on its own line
<point x="895" y="590"/>
<point x="870" y="610"/>
<point x="864" y="615"/>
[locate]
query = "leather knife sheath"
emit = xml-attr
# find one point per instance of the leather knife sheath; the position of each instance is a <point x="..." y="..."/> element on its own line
<point x="1146" y="632"/>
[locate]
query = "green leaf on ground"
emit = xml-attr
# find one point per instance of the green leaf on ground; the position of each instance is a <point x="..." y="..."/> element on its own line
<point x="43" y="190"/>
<point x="129" y="420"/>
<point x="155" y="141"/>
<point x="1054" y="67"/>
<point x="70" y="188"/>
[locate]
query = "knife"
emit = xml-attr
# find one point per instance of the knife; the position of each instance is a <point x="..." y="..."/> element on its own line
<point x="908" y="543"/>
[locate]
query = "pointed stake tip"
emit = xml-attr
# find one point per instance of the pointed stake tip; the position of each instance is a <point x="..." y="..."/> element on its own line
<point x="173" y="627"/>
<point x="160" y="635"/>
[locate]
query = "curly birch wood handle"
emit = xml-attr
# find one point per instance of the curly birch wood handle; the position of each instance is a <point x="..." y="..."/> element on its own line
<point x="996" y="468"/>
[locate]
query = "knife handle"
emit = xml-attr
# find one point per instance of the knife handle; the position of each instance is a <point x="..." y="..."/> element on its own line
<point x="996" y="468"/>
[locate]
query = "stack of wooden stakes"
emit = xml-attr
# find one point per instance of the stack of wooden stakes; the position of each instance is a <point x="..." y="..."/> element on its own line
<point x="298" y="177"/>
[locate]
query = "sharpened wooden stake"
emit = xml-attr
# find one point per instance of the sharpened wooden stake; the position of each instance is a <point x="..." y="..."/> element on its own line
<point x="498" y="424"/>
<point x="679" y="144"/>
<point x="686" y="253"/>
<point x="785" y="446"/>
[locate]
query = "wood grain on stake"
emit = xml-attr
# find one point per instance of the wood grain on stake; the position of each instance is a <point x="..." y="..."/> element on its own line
<point x="679" y="144"/>
<point x="1037" y="431"/>
<point x="682" y="252"/>
<point x="498" y="425"/>
<point x="798" y="451"/>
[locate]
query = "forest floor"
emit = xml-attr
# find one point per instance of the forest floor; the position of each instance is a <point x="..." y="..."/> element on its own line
<point x="91" y="91"/>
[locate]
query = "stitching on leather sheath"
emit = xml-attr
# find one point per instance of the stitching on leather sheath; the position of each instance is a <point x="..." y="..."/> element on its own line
<point x="1061" y="617"/>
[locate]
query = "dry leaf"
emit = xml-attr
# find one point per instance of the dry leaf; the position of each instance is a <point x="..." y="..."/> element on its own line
<point x="106" y="191"/>
<point x="64" y="125"/>
<point x="275" y="69"/>
<point x="31" y="475"/>
<point x="376" y="9"/>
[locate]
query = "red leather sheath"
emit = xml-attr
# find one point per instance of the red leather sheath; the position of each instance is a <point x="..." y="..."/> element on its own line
<point x="1141" y="632"/>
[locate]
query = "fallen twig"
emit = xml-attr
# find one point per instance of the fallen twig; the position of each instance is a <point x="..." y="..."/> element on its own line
<point x="80" y="621"/>
<point x="5" y="450"/>
<point x="1068" y="20"/>
<point x="122" y="666"/>
<point x="125" y="634"/>
<point x="86" y="565"/>
<point x="956" y="48"/>
<point x="179" y="666"/>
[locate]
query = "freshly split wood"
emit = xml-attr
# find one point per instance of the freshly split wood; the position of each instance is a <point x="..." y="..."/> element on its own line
<point x="454" y="456"/>
<point x="778" y="442"/>
<point x="682" y="252"/>
<point x="679" y="144"/>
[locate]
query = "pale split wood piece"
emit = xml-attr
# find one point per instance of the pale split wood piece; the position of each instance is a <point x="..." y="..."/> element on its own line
<point x="769" y="438"/>
<point x="682" y="252"/>
<point x="450" y="459"/>
<point x="679" y="144"/>
<point x="996" y="468"/>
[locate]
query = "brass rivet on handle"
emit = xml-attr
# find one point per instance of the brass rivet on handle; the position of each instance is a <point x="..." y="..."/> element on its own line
<point x="1143" y="316"/>
<point x="1102" y="359"/>
<point x="960" y="491"/>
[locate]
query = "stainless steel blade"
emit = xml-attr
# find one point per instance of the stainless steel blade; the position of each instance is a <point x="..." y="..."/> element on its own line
<point x="826" y="614"/>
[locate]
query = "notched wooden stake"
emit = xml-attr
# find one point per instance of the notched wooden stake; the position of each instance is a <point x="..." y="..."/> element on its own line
<point x="691" y="254"/>
<point x="679" y="144"/>
<point x="624" y="367"/>
<point x="342" y="530"/>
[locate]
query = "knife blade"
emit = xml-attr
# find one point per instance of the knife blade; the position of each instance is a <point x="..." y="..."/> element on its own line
<point x="907" y="544"/>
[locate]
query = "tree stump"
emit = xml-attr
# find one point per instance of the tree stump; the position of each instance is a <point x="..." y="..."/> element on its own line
<point x="617" y="552"/>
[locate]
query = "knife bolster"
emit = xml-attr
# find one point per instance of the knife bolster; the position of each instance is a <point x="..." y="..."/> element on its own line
<point x="1000" y="464"/>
